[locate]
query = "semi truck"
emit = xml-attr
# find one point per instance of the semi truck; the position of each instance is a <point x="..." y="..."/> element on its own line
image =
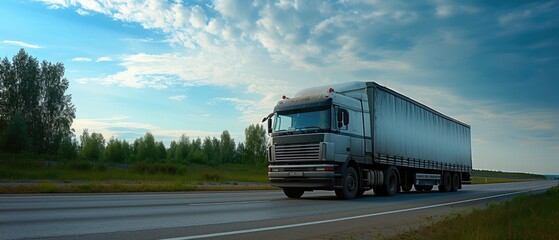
<point x="357" y="136"/>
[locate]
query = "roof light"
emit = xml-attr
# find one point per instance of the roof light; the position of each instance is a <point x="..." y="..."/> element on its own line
<point x="330" y="90"/>
<point x="283" y="97"/>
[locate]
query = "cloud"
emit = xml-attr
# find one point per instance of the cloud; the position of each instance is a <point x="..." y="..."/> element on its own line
<point x="82" y="12"/>
<point x="81" y="59"/>
<point x="178" y="97"/>
<point x="118" y="128"/>
<point x="104" y="59"/>
<point x="21" y="44"/>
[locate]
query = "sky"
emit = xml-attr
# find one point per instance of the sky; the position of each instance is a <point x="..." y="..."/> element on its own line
<point x="202" y="67"/>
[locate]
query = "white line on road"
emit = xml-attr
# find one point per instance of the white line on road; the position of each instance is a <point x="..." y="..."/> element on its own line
<point x="224" y="203"/>
<point x="345" y="218"/>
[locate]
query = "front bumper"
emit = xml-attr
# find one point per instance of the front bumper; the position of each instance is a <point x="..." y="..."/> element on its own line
<point x="304" y="176"/>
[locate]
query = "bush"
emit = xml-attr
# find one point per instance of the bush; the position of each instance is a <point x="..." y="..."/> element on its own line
<point x="80" y="165"/>
<point x="214" y="177"/>
<point x="154" y="168"/>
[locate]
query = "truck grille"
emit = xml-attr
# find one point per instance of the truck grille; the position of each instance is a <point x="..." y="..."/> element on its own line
<point x="298" y="152"/>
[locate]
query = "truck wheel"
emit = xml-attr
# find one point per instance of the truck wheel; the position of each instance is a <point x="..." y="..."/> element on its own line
<point x="350" y="185"/>
<point x="390" y="186"/>
<point x="455" y="182"/>
<point x="391" y="182"/>
<point x="446" y="183"/>
<point x="293" y="192"/>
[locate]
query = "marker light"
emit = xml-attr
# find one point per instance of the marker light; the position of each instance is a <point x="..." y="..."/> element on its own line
<point x="330" y="90"/>
<point x="283" y="97"/>
<point x="325" y="169"/>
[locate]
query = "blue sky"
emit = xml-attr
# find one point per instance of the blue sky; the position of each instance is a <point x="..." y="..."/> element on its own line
<point x="201" y="67"/>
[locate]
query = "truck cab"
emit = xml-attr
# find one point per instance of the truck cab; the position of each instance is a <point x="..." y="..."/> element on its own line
<point x="313" y="137"/>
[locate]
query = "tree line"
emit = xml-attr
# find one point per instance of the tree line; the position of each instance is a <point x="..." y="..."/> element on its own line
<point x="209" y="151"/>
<point x="36" y="115"/>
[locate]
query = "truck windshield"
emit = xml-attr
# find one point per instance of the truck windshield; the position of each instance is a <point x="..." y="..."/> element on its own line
<point x="316" y="119"/>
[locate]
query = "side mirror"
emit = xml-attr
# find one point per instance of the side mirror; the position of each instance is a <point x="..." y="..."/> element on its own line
<point x="269" y="125"/>
<point x="343" y="117"/>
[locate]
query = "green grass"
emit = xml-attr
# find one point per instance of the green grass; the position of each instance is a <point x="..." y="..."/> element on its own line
<point x="486" y="176"/>
<point x="483" y="180"/>
<point x="524" y="217"/>
<point x="505" y="175"/>
<point x="83" y="176"/>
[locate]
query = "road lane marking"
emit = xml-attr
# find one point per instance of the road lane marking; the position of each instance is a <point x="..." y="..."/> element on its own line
<point x="345" y="218"/>
<point x="225" y="203"/>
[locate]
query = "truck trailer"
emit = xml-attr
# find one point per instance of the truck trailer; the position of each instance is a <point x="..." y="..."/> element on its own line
<point x="357" y="136"/>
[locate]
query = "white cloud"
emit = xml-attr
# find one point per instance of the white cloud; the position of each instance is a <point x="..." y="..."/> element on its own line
<point x="21" y="44"/>
<point x="198" y="18"/>
<point x="130" y="130"/>
<point x="444" y="11"/>
<point x="82" y="12"/>
<point x="104" y="59"/>
<point x="81" y="59"/>
<point x="177" y="98"/>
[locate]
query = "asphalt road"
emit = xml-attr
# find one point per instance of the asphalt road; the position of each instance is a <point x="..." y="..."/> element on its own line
<point x="234" y="215"/>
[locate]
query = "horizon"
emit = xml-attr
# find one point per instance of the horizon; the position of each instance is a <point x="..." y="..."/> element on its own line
<point x="201" y="67"/>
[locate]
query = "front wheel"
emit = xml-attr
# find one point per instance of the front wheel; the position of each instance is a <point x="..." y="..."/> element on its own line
<point x="350" y="185"/>
<point x="293" y="192"/>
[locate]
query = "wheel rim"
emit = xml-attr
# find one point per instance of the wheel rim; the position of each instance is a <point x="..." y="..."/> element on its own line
<point x="350" y="182"/>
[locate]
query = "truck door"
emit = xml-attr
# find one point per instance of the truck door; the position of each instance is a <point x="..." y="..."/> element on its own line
<point x="342" y="141"/>
<point x="356" y="133"/>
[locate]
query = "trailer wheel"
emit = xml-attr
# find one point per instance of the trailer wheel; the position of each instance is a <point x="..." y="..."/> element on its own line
<point x="392" y="182"/>
<point x="455" y="182"/>
<point x="446" y="183"/>
<point x="293" y="192"/>
<point x="390" y="186"/>
<point x="350" y="185"/>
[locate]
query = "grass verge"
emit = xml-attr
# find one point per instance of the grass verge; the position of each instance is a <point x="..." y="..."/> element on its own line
<point x="29" y="173"/>
<point x="484" y="180"/>
<point x="123" y="187"/>
<point x="524" y="217"/>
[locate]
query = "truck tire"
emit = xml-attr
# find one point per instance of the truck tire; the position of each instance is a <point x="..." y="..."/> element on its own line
<point x="455" y="182"/>
<point x="446" y="183"/>
<point x="390" y="187"/>
<point x="293" y="192"/>
<point x="350" y="185"/>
